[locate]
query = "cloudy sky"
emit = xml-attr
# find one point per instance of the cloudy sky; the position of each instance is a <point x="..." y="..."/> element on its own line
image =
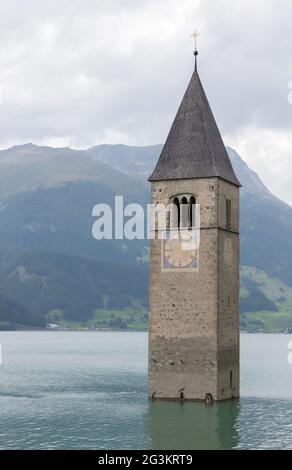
<point x="83" y="72"/>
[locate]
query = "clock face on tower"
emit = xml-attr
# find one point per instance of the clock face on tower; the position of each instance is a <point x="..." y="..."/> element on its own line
<point x="178" y="254"/>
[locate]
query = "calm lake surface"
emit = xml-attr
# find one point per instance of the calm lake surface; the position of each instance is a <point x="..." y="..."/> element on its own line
<point x="87" y="390"/>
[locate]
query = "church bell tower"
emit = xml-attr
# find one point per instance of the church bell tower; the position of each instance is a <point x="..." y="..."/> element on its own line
<point x="194" y="295"/>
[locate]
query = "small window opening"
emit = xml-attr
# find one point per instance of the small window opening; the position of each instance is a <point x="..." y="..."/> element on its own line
<point x="228" y="214"/>
<point x="192" y="217"/>
<point x="176" y="214"/>
<point x="184" y="212"/>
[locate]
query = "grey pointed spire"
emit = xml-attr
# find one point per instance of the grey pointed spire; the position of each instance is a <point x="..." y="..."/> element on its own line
<point x="194" y="147"/>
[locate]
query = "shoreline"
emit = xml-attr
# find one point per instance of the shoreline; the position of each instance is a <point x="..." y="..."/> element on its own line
<point x="105" y="330"/>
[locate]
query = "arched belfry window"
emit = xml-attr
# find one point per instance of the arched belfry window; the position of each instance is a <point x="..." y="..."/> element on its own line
<point x="228" y="214"/>
<point x="183" y="211"/>
<point x="192" y="214"/>
<point x="184" y="208"/>
<point x="176" y="213"/>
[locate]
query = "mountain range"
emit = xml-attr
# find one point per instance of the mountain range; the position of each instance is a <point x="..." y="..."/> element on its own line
<point x="52" y="270"/>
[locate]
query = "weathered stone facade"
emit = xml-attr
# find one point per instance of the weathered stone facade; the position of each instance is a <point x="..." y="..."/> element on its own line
<point x="194" y="315"/>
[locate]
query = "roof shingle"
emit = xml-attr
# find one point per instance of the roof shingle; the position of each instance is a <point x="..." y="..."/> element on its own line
<point x="194" y="147"/>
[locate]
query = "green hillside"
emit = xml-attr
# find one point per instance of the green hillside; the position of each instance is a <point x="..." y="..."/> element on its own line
<point x="29" y="167"/>
<point x="59" y="219"/>
<point x="278" y="316"/>
<point x="70" y="290"/>
<point x="12" y="315"/>
<point x="54" y="270"/>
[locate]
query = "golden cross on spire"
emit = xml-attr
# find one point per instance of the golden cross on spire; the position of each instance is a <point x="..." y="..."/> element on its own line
<point x="195" y="36"/>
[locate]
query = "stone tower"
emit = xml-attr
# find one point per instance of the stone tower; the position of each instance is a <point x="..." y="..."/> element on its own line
<point x="194" y="298"/>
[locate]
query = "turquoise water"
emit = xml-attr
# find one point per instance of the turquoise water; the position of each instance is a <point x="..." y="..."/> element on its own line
<point x="87" y="390"/>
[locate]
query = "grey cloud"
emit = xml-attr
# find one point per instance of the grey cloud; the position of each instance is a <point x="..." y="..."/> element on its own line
<point x="78" y="68"/>
<point x="84" y="72"/>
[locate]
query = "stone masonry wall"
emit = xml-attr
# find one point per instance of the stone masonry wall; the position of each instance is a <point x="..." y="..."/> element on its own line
<point x="193" y="335"/>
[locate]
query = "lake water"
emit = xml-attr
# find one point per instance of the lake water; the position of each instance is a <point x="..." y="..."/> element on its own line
<point x="87" y="390"/>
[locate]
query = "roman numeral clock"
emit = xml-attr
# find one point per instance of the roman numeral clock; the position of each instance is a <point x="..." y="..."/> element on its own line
<point x="179" y="254"/>
<point x="180" y="249"/>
